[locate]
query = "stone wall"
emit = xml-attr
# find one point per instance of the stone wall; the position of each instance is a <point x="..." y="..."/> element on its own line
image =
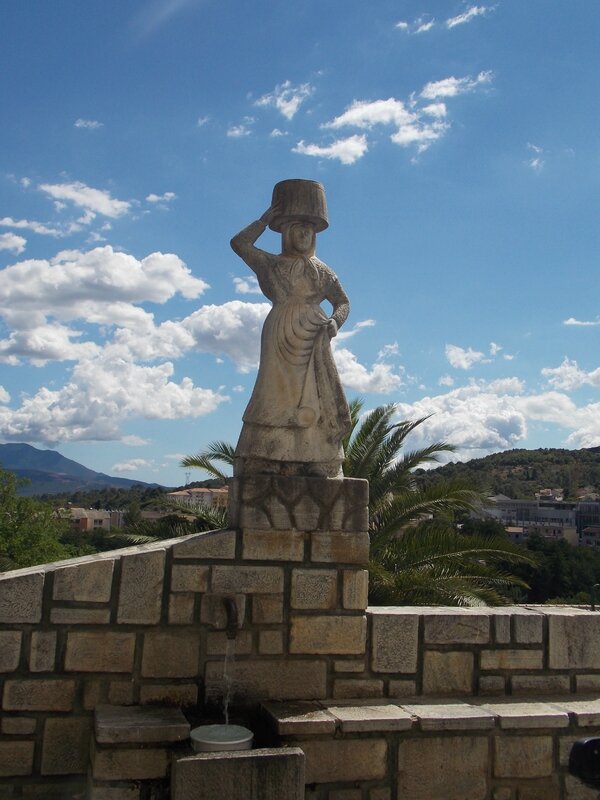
<point x="147" y="625"/>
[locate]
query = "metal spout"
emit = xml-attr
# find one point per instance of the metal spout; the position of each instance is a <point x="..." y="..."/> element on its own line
<point x="233" y="622"/>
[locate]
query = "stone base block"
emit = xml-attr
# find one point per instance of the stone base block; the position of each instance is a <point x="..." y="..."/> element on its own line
<point x="264" y="774"/>
<point x="299" y="503"/>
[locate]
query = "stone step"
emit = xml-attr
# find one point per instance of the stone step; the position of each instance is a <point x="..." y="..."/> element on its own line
<point x="304" y="718"/>
<point x="139" y="724"/>
<point x="439" y="749"/>
<point x="262" y="774"/>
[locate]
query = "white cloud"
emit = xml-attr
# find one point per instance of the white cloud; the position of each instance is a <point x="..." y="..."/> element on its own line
<point x="237" y="131"/>
<point x="451" y="87"/>
<point x="12" y="242"/>
<point x="135" y="441"/>
<point x="380" y="379"/>
<point x="468" y="15"/>
<point x="133" y="465"/>
<point x="247" y="285"/>
<point x="423" y="26"/>
<point x="402" y="25"/>
<point x="416" y="126"/>
<point x="201" y="121"/>
<point x="232" y="329"/>
<point x="89" y="124"/>
<point x="459" y="358"/>
<point x="569" y="376"/>
<point x="25" y="224"/>
<point x="495" y="348"/>
<point x="388" y="351"/>
<point x="238" y="388"/>
<point x="166" y="197"/>
<point x="582" y="323"/>
<point x="96" y="201"/>
<point x="366" y="114"/>
<point x="446" y="380"/>
<point x="347" y="333"/>
<point x="4" y="395"/>
<point x="276" y="132"/>
<point x="286" y="98"/>
<point x="101" y="394"/>
<point x="100" y="287"/>
<point x="476" y="419"/>
<point x="347" y="151"/>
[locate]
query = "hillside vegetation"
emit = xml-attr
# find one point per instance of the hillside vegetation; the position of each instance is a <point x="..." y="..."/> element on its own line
<point x="520" y="473"/>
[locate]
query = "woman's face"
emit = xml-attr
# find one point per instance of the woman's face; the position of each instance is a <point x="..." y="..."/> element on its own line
<point x="302" y="237"/>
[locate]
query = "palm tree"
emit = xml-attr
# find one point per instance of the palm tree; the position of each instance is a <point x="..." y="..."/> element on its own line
<point x="418" y="556"/>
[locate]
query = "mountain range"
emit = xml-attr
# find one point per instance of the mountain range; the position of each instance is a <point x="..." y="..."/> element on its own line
<point x="48" y="472"/>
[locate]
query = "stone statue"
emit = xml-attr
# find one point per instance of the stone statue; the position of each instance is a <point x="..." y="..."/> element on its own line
<point x="297" y="416"/>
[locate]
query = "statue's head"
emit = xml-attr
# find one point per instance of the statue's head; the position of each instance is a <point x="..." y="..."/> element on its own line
<point x="298" y="238"/>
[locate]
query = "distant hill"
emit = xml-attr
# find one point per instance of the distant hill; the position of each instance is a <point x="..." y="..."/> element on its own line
<point x="51" y="473"/>
<point x="520" y="473"/>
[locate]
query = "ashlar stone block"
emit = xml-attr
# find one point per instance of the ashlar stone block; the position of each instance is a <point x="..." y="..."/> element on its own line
<point x="87" y="582"/>
<point x="247" y="580"/>
<point x="21" y="597"/>
<point x="99" y="651"/>
<point x="267" y="609"/>
<point x="456" y="626"/>
<point x="42" y="656"/>
<point x="522" y="756"/>
<point x="443" y="768"/>
<point x="314" y="588"/>
<point x="448" y="673"/>
<point x="173" y="654"/>
<point x="141" y="588"/>
<point x="394" y="640"/>
<point x="65" y="745"/>
<point x="512" y="659"/>
<point x="328" y="635"/>
<point x="574" y="641"/>
<point x="10" y="650"/>
<point x="270" y="679"/>
<point x="18" y="726"/>
<point x="273" y="545"/>
<point x="176" y="694"/>
<point x="209" y="545"/>
<point x="112" y="764"/>
<point x="16" y="758"/>
<point x="347" y="760"/>
<point x="355" y="588"/>
<point x="39" y="695"/>
<point x="189" y="578"/>
<point x="340" y="547"/>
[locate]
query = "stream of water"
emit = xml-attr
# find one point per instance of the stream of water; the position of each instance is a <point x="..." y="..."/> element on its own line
<point x="228" y="676"/>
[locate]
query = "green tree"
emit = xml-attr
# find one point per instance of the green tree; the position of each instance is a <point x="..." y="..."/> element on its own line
<point x="417" y="554"/>
<point x="30" y="531"/>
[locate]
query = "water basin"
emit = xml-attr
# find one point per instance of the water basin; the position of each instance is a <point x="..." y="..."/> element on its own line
<point x="212" y="738"/>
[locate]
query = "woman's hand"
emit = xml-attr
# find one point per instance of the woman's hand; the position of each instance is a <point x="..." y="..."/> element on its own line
<point x="270" y="214"/>
<point x="332" y="328"/>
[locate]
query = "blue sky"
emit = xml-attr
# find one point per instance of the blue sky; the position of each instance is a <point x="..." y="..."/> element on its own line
<point x="458" y="144"/>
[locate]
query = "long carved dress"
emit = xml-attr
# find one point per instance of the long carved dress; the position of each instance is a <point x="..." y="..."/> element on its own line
<point x="298" y="414"/>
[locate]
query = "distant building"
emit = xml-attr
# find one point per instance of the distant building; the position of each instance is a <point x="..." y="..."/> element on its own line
<point x="88" y="519"/>
<point x="552" y="519"/>
<point x="194" y="498"/>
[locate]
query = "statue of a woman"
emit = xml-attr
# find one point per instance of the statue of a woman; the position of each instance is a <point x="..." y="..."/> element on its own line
<point x="297" y="416"/>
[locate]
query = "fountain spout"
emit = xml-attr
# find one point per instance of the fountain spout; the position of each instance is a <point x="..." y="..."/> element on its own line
<point x="233" y="621"/>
